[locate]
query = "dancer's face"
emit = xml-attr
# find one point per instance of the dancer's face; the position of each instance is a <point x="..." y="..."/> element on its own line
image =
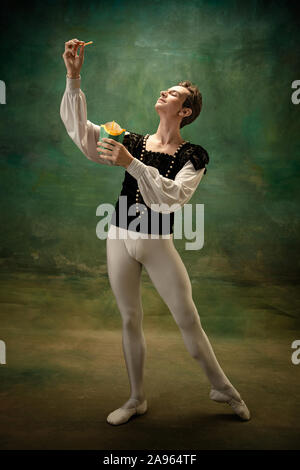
<point x="171" y="101"/>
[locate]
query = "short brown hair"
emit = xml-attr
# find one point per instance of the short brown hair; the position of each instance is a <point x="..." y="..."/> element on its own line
<point x="193" y="101"/>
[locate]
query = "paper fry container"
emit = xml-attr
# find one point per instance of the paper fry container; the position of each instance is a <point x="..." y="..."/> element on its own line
<point x="111" y="130"/>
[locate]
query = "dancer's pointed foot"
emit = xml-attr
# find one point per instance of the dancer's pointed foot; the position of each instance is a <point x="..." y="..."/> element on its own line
<point x="234" y="399"/>
<point x="132" y="407"/>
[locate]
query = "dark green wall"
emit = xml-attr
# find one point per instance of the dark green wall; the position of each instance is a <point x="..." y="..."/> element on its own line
<point x="243" y="57"/>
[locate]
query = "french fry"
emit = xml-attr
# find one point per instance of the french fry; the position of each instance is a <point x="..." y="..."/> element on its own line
<point x="87" y="43"/>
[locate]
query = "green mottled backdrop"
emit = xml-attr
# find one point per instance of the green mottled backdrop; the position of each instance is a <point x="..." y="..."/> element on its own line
<point x="244" y="58"/>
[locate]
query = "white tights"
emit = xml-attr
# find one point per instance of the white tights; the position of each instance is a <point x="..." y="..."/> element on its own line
<point x="125" y="259"/>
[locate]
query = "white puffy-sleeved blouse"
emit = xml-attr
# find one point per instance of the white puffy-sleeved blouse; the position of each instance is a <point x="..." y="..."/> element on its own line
<point x="154" y="187"/>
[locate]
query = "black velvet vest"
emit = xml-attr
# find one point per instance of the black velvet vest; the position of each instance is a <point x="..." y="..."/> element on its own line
<point x="163" y="222"/>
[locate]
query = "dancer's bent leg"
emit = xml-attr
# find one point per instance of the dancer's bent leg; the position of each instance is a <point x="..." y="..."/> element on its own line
<point x="169" y="275"/>
<point x="125" y="276"/>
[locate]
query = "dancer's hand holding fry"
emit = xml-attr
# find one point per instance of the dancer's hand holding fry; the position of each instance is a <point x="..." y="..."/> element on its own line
<point x="72" y="59"/>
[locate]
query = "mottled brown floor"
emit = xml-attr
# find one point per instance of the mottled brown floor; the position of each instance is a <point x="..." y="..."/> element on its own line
<point x="65" y="369"/>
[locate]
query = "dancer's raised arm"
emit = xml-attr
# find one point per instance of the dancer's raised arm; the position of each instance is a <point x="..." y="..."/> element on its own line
<point x="73" y="108"/>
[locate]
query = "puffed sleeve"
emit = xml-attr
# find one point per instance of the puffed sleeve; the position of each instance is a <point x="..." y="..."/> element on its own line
<point x="198" y="156"/>
<point x="128" y="140"/>
<point x="157" y="189"/>
<point x="73" y="112"/>
<point x="131" y="140"/>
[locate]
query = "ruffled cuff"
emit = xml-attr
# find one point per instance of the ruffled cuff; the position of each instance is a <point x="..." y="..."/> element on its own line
<point x="73" y="84"/>
<point x="136" y="168"/>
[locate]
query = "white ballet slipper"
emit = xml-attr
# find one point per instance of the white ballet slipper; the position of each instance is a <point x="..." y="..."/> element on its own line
<point x="122" y="415"/>
<point x="239" y="406"/>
